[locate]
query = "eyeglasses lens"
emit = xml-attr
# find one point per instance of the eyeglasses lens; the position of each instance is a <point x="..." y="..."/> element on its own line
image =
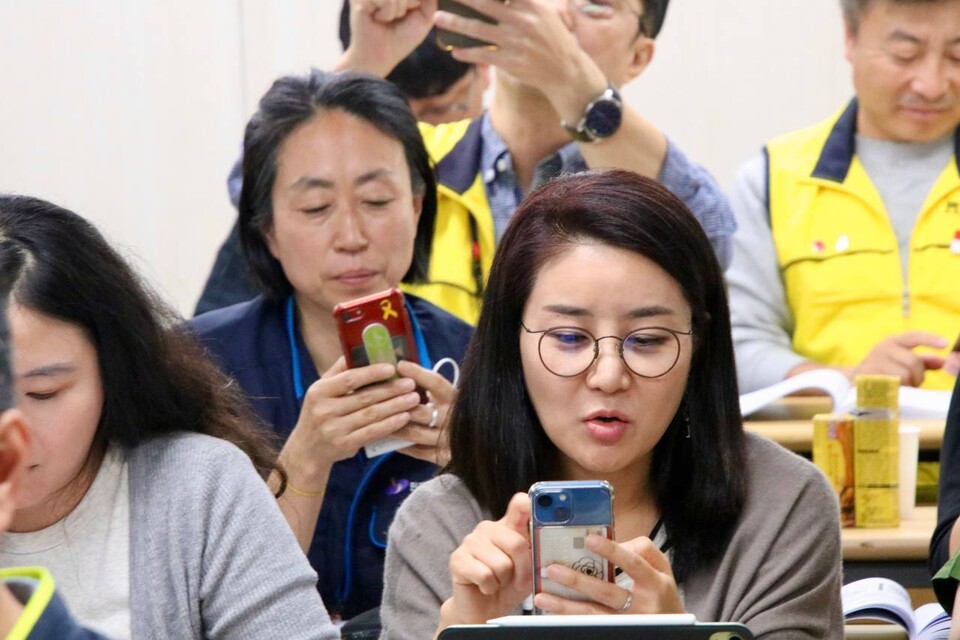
<point x="649" y="352"/>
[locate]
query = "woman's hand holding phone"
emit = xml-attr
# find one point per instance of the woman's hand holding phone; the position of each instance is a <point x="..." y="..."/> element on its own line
<point x="343" y="411"/>
<point x="654" y="588"/>
<point x="427" y="427"/>
<point x="491" y="569"/>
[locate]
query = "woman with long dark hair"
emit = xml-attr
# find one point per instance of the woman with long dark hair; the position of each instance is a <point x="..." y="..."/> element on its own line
<point x="603" y="352"/>
<point x="144" y="493"/>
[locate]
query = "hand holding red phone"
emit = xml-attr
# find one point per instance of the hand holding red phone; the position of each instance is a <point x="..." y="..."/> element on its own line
<point x="491" y="569"/>
<point x="427" y="428"/>
<point x="343" y="411"/>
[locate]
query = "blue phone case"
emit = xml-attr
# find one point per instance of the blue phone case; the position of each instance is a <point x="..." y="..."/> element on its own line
<point x="563" y="514"/>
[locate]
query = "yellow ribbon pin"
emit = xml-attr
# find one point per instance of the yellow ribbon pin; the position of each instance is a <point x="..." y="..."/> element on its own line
<point x="387" y="307"/>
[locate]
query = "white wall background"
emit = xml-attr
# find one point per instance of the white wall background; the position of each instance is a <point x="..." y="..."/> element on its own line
<point x="130" y="112"/>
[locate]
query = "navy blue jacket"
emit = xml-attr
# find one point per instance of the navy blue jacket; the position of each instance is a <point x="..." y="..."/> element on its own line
<point x="250" y="343"/>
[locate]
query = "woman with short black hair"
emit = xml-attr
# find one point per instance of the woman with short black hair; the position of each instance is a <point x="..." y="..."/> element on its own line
<point x="338" y="202"/>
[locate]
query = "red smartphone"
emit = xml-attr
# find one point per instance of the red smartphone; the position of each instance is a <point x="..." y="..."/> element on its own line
<point x="376" y="329"/>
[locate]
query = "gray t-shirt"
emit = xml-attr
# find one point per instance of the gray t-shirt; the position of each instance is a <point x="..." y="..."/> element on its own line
<point x="903" y="173"/>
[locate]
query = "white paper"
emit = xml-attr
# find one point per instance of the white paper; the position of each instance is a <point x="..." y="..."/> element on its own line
<point x="386" y="445"/>
<point x="914" y="403"/>
<point x="834" y="383"/>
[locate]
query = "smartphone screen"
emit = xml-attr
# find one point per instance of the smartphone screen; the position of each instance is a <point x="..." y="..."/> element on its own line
<point x="563" y="515"/>
<point x="450" y="40"/>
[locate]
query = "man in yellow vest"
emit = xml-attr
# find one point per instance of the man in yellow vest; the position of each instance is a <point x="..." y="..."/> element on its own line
<point x="555" y="108"/>
<point x="848" y="249"/>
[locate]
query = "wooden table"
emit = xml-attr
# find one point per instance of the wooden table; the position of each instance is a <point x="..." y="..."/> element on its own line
<point x="789" y="422"/>
<point x="899" y="553"/>
<point x="909" y="541"/>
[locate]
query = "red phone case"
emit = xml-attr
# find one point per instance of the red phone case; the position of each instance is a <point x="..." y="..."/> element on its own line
<point x="386" y="308"/>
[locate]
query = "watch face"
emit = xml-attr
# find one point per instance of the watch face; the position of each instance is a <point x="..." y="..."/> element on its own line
<point x="604" y="118"/>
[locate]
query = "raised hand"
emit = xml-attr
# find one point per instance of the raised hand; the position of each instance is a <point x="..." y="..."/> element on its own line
<point x="384" y="32"/>
<point x="492" y="568"/>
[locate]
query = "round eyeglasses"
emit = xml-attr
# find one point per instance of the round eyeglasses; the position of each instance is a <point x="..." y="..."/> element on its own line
<point x="649" y="352"/>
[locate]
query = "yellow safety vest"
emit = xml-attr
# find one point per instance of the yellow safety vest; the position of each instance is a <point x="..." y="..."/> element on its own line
<point x="463" y="239"/>
<point x="838" y="254"/>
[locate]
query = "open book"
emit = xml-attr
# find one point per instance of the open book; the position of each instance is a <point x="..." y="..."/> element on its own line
<point x="914" y="403"/>
<point x="879" y="599"/>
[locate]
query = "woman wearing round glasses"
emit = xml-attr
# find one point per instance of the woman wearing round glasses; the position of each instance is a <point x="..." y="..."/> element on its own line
<point x="603" y="352"/>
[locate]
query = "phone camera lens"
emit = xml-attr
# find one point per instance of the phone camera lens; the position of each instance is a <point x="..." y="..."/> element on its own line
<point x="544" y="501"/>
<point x="561" y="514"/>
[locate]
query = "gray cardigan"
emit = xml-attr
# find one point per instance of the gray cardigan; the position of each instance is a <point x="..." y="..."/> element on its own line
<point x="780" y="575"/>
<point x="211" y="555"/>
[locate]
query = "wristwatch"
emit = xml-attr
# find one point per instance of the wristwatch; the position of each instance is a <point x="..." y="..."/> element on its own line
<point x="601" y="118"/>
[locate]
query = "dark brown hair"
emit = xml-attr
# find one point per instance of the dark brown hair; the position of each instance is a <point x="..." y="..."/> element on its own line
<point x="156" y="379"/>
<point x="498" y="445"/>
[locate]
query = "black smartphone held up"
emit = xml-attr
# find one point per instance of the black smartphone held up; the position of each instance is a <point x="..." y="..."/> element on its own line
<point x="450" y="40"/>
<point x="564" y="513"/>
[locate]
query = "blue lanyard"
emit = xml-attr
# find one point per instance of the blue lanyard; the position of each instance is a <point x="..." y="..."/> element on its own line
<point x="298" y="391"/>
<point x="346" y="585"/>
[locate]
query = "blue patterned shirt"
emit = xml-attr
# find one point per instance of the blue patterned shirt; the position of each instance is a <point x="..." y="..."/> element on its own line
<point x="688" y="181"/>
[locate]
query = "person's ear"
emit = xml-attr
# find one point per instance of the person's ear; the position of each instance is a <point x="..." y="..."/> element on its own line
<point x="849" y="40"/>
<point x="14" y="447"/>
<point x="417" y="207"/>
<point x="270" y="240"/>
<point x="642" y="51"/>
